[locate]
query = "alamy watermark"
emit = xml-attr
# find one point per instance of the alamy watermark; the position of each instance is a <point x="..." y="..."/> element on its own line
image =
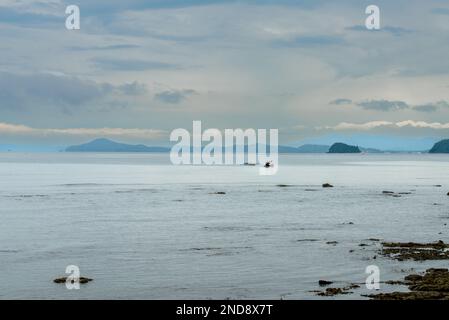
<point x="73" y="21"/>
<point x="73" y="279"/>
<point x="372" y="22"/>
<point x="373" y="280"/>
<point x="238" y="148"/>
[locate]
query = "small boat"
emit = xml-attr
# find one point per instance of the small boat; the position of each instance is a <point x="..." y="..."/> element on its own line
<point x="268" y="164"/>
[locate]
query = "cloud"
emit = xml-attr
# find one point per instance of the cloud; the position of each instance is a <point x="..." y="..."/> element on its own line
<point x="111" y="6"/>
<point x="26" y="17"/>
<point x="132" y="89"/>
<point x="383" y="105"/>
<point x="441" y="11"/>
<point x="22" y="130"/>
<point x="310" y="41"/>
<point x="131" y="65"/>
<point x="395" y="31"/>
<point x="426" y="108"/>
<point x="173" y="96"/>
<point x="386" y="105"/>
<point x="379" y="124"/>
<point x="341" y="101"/>
<point x="21" y="91"/>
<point x="422" y="124"/>
<point x="104" y="48"/>
<point x="357" y="126"/>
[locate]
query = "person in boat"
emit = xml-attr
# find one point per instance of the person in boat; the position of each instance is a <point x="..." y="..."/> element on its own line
<point x="268" y="164"/>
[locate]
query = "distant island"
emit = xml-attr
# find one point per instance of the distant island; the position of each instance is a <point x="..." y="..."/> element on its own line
<point x="313" y="148"/>
<point x="440" y="147"/>
<point x="343" y="148"/>
<point x="106" y="145"/>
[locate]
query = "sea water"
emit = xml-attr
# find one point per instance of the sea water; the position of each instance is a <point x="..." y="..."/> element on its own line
<point x="143" y="228"/>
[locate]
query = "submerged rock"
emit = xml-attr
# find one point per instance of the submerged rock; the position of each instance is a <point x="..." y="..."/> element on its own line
<point x="219" y="192"/>
<point x="329" y="292"/>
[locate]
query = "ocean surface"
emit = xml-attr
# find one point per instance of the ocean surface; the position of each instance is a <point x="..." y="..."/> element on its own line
<point x="145" y="229"/>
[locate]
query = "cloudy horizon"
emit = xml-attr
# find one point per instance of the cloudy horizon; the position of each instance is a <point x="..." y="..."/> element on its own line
<point x="136" y="70"/>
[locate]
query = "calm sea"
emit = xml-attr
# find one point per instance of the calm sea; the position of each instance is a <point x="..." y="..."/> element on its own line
<point x="145" y="229"/>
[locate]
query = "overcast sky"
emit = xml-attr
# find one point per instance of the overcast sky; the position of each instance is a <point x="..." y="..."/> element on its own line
<point x="138" y="69"/>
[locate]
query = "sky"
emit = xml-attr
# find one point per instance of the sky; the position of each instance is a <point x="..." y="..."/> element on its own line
<point x="136" y="70"/>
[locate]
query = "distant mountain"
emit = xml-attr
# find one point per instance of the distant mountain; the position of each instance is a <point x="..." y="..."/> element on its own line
<point x="343" y="148"/>
<point x="440" y="147"/>
<point x="106" y="145"/>
<point x="313" y="148"/>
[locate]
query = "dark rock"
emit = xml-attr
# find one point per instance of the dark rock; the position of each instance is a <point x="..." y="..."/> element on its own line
<point x="433" y="285"/>
<point x="413" y="277"/>
<point x="395" y="282"/>
<point x="327" y="185"/>
<point x="82" y="280"/>
<point x="332" y="242"/>
<point x="219" y="192"/>
<point x="329" y="292"/>
<point x="416" y="251"/>
<point x="324" y="282"/>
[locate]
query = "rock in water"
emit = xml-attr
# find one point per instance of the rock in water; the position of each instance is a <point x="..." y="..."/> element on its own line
<point x="327" y="185"/>
<point x="324" y="282"/>
<point x="440" y="147"/>
<point x="82" y="280"/>
<point x="433" y="285"/>
<point x="343" y="148"/>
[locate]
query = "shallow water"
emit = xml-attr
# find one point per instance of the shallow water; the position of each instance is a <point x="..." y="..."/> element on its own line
<point x="143" y="228"/>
